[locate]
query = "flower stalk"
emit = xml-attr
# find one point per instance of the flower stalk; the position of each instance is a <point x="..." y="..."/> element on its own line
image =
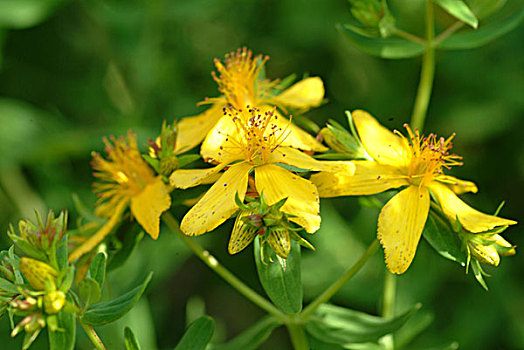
<point x="223" y="272"/>
<point x="350" y="272"/>
<point x="427" y="73"/>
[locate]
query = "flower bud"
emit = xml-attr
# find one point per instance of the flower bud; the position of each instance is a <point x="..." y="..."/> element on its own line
<point x="54" y="301"/>
<point x="40" y="236"/>
<point x="486" y="254"/>
<point x="36" y="272"/>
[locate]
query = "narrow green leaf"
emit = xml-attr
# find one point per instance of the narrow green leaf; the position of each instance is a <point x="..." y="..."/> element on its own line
<point x="252" y="337"/>
<point x="62" y="254"/>
<point x="107" y="312"/>
<point x="481" y="36"/>
<point x="284" y="287"/>
<point x="459" y="10"/>
<point x="97" y="270"/>
<point x="130" y="340"/>
<point x="338" y="325"/>
<point x="441" y="237"/>
<point x="392" y="47"/>
<point x="198" y="335"/>
<point x="7" y="286"/>
<point x="64" y="337"/>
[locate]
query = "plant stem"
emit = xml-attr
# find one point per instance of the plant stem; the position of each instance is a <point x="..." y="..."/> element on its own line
<point x="227" y="275"/>
<point x="450" y="30"/>
<point x="350" y="272"/>
<point x="427" y="72"/>
<point x="95" y="339"/>
<point x="408" y="36"/>
<point x="388" y="305"/>
<point x="297" y="335"/>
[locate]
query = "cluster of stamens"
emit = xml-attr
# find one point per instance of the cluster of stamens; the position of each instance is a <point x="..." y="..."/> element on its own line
<point x="430" y="154"/>
<point x="237" y="77"/>
<point x="256" y="137"/>
<point x="124" y="174"/>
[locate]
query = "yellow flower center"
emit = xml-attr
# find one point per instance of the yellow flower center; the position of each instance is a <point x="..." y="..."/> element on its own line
<point x="123" y="175"/>
<point x="237" y="78"/>
<point x="430" y="154"/>
<point x="257" y="134"/>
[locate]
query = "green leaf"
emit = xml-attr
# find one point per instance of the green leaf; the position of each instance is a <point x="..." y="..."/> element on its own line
<point x="459" y="10"/>
<point x="133" y="235"/>
<point x="392" y="47"/>
<point x="439" y="234"/>
<point x="62" y="254"/>
<point x="482" y="36"/>
<point x="89" y="290"/>
<point x="130" y="340"/>
<point x="413" y="327"/>
<point x="7" y="286"/>
<point x="252" y="337"/>
<point x="338" y="325"/>
<point x="198" y="335"/>
<point x="484" y="8"/>
<point x="97" y="270"/>
<point x="25" y="13"/>
<point x="107" y="312"/>
<point x="64" y="337"/>
<point x="283" y="286"/>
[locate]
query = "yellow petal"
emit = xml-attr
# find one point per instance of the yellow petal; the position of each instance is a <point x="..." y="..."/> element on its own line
<point x="305" y="94"/>
<point x="296" y="158"/>
<point x="102" y="233"/>
<point x="192" y="130"/>
<point x="277" y="183"/>
<point x="458" y="186"/>
<point x="185" y="178"/>
<point x="380" y="143"/>
<point x="471" y="219"/>
<point x="216" y="147"/>
<point x="400" y="225"/>
<point x="369" y="178"/>
<point x="218" y="204"/>
<point x="149" y="204"/>
<point x="295" y="136"/>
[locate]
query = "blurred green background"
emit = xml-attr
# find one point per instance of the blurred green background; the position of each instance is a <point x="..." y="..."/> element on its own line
<point x="74" y="71"/>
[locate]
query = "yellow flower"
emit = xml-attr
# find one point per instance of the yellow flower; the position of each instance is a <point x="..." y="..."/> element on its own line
<point x="239" y="82"/>
<point x="253" y="140"/>
<point x="126" y="180"/>
<point x="416" y="162"/>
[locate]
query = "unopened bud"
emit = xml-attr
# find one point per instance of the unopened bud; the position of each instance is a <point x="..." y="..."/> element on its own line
<point x="36" y="272"/>
<point x="54" y="301"/>
<point x="486" y="254"/>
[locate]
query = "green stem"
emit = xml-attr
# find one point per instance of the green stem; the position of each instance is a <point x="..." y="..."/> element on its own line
<point x="297" y="335"/>
<point x="95" y="339"/>
<point x="408" y="36"/>
<point x="388" y="305"/>
<point x="450" y="30"/>
<point x="350" y="272"/>
<point x="427" y="72"/>
<point x="213" y="263"/>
